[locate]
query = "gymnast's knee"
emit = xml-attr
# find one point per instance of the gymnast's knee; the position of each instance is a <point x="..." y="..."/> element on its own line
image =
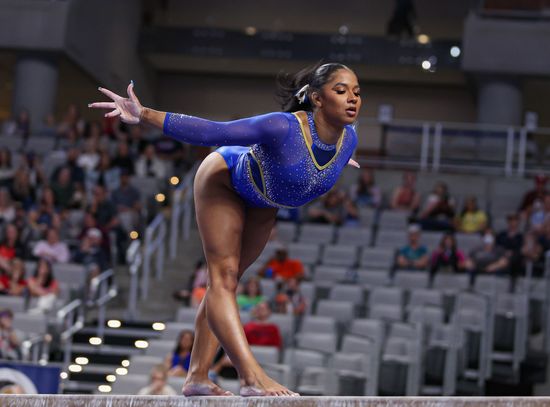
<point x="224" y="276"/>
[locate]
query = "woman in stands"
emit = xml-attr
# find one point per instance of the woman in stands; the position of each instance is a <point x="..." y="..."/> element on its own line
<point x="271" y="161"/>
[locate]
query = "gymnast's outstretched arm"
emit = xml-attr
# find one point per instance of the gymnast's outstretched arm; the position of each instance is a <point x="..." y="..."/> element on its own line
<point x="268" y="128"/>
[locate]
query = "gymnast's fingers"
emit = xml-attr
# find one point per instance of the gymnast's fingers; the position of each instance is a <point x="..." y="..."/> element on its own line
<point x="353" y="163"/>
<point x="102" y="105"/>
<point x="131" y="93"/>
<point x="108" y="93"/>
<point x="114" y="113"/>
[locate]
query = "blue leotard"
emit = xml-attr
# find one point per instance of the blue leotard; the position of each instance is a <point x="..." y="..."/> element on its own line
<point x="270" y="157"/>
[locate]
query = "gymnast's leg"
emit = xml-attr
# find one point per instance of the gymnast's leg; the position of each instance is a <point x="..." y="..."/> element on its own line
<point x="221" y="220"/>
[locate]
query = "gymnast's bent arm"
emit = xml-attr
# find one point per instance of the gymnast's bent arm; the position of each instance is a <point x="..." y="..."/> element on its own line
<point x="268" y="128"/>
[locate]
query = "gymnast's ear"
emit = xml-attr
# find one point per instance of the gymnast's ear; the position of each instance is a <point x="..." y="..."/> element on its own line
<point x="315" y="99"/>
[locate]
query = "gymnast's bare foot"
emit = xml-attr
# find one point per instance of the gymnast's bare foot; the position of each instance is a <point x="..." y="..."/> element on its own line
<point x="203" y="388"/>
<point x="264" y="386"/>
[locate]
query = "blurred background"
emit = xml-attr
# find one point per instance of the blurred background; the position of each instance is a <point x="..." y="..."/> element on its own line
<point x="424" y="273"/>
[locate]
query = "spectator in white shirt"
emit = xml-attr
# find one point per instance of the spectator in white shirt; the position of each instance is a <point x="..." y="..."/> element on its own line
<point x="52" y="249"/>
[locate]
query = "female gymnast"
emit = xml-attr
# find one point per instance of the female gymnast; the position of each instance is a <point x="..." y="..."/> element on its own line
<point x="266" y="162"/>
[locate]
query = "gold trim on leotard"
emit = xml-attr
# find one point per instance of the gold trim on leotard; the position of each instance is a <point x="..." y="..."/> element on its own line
<point x="264" y="195"/>
<point x="301" y="116"/>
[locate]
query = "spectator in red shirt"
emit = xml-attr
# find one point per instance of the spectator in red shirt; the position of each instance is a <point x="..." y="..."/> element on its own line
<point x="14" y="283"/>
<point x="280" y="267"/>
<point x="259" y="331"/>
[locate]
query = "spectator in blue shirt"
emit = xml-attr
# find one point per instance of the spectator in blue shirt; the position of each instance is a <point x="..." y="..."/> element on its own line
<point x="414" y="255"/>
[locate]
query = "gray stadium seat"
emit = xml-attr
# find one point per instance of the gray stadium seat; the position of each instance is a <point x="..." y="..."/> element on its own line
<point x="373" y="278"/>
<point x="317" y="323"/>
<point x="173" y="330"/>
<point x="130" y="384"/>
<point x="320" y="342"/>
<point x="71" y="273"/>
<point x="30" y="323"/>
<point x="142" y="364"/>
<point x="347" y="292"/>
<point x="393" y="220"/>
<point x="286" y="324"/>
<point x="411" y="279"/>
<point x="342" y="311"/>
<point x="307" y="253"/>
<point x="16" y="304"/>
<point x="329" y="275"/>
<point x="377" y="258"/>
<point x="391" y="239"/>
<point x="265" y="354"/>
<point x="339" y="255"/>
<point x="353" y="236"/>
<point x="160" y="348"/>
<point x="314" y="233"/>
<point x="186" y="315"/>
<point x="286" y="231"/>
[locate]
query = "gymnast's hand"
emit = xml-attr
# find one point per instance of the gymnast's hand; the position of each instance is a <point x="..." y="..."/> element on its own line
<point x="129" y="109"/>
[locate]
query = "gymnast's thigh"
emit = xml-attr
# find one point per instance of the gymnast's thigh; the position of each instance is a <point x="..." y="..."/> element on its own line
<point x="220" y="214"/>
<point x="257" y="228"/>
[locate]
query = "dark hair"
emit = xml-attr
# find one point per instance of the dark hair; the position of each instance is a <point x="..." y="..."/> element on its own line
<point x="315" y="76"/>
<point x="49" y="278"/>
<point x="177" y="350"/>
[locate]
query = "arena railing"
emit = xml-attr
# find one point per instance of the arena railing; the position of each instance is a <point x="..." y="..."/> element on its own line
<point x="154" y="245"/>
<point x="438" y="145"/>
<point x="134" y="259"/>
<point x="70" y="319"/>
<point x="36" y="349"/>
<point x="102" y="291"/>
<point x="182" y="210"/>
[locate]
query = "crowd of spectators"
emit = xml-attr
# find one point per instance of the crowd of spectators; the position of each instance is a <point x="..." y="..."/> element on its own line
<point x="75" y="202"/>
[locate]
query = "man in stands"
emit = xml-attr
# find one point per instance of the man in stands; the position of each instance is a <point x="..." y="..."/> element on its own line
<point x="414" y="255"/>
<point x="261" y="332"/>
<point x="280" y="267"/>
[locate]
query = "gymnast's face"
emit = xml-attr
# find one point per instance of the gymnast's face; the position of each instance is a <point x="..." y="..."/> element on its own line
<point x="339" y="100"/>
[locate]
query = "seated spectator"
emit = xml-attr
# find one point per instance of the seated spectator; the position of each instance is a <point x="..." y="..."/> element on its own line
<point x="533" y="250"/>
<point x="7" y="208"/>
<point x="31" y="163"/>
<point x="104" y="174"/>
<point x="280" y="267"/>
<point x="447" y="257"/>
<point x="77" y="173"/>
<point x="178" y="361"/>
<point x="413" y="256"/>
<point x="67" y="194"/>
<point x="10" y="338"/>
<point x="149" y="165"/>
<point x="21" y="190"/>
<point x="438" y="211"/>
<point x="197" y="279"/>
<point x="158" y="383"/>
<point x="89" y="158"/>
<point x="72" y="121"/>
<point x="10" y="247"/>
<point x="333" y="208"/>
<point x="365" y="192"/>
<point x="18" y="126"/>
<point x="43" y="286"/>
<point x="52" y="249"/>
<point x="511" y="240"/>
<point x="489" y="258"/>
<point x="13" y="281"/>
<point x="45" y="214"/>
<point x="534" y="195"/>
<point x="289" y="299"/>
<point x="259" y="331"/>
<point x="103" y="210"/>
<point x="124" y="159"/>
<point x="251" y="295"/>
<point x="7" y="170"/>
<point x="472" y="219"/>
<point x="127" y="200"/>
<point x="540" y="213"/>
<point x="91" y="252"/>
<point x="405" y="197"/>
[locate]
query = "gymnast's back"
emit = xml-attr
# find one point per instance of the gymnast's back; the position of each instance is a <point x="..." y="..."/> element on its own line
<point x="272" y="158"/>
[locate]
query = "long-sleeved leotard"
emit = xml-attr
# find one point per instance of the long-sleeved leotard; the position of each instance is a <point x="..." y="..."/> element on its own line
<point x="278" y="167"/>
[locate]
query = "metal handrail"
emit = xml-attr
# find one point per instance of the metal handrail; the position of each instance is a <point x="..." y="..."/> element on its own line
<point x="154" y="244"/>
<point x="134" y="258"/>
<point x="104" y="291"/>
<point x="30" y="348"/>
<point x="65" y="317"/>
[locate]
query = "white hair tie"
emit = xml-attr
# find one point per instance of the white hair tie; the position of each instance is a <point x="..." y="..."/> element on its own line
<point x="302" y="93"/>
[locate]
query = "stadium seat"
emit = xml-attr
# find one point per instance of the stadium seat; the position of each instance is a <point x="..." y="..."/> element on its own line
<point x="314" y="233"/>
<point x="339" y="255"/>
